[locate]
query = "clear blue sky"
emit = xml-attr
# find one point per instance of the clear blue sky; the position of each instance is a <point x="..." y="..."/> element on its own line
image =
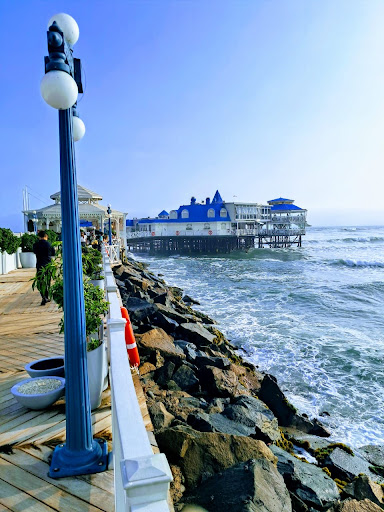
<point x="258" y="98"/>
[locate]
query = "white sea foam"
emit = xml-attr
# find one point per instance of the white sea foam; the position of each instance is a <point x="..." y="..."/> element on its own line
<point x="361" y="263"/>
<point x="310" y="316"/>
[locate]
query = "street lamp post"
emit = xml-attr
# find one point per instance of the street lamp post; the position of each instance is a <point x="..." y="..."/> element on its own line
<point x="81" y="454"/>
<point x="109" y="211"/>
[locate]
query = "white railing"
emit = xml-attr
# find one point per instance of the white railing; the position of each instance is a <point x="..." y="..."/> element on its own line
<point x="141" y="477"/>
<point x="282" y="232"/>
<point x="113" y="252"/>
<point x="229" y="232"/>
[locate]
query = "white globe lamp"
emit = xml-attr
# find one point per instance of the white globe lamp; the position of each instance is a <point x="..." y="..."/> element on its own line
<point x="78" y="128"/>
<point x="59" y="89"/>
<point x="67" y="25"/>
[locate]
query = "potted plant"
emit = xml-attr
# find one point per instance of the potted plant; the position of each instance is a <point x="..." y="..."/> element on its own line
<point x="27" y="256"/>
<point x="51" y="281"/>
<point x="9" y="243"/>
<point x="92" y="266"/>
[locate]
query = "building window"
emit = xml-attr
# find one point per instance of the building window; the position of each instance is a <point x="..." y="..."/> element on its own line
<point x="185" y="214"/>
<point x="207" y="226"/>
<point x="223" y="212"/>
<point x="223" y="225"/>
<point x="173" y="214"/>
<point x="211" y="213"/>
<point x="189" y="227"/>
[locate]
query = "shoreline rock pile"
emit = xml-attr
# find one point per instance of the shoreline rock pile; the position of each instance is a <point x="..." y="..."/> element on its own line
<point x="230" y="435"/>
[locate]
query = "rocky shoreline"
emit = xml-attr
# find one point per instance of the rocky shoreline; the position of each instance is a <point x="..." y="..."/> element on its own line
<point x="233" y="440"/>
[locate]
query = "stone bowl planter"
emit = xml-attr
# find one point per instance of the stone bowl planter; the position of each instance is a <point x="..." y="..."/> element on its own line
<point x="49" y="366"/>
<point x="39" y="393"/>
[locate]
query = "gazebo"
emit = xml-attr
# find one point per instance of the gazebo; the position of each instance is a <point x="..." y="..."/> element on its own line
<point x="91" y="212"/>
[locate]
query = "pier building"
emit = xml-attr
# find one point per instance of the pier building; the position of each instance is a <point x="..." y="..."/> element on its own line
<point x="217" y="226"/>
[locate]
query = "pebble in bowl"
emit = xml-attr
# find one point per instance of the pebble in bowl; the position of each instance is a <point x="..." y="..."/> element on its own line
<point x="39" y="393"/>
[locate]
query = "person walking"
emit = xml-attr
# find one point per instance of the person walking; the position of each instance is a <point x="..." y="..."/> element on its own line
<point x="44" y="252"/>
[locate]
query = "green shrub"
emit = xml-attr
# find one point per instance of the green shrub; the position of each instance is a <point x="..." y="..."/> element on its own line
<point x="52" y="236"/>
<point x="9" y="242"/>
<point x="27" y="242"/>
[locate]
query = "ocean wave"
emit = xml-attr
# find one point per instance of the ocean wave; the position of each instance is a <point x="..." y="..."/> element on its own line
<point x="358" y="263"/>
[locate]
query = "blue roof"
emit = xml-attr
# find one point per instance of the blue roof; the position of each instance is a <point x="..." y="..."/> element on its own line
<point x="197" y="213"/>
<point x="163" y="213"/>
<point x="280" y="199"/>
<point x="129" y="222"/>
<point x="281" y="207"/>
<point x="217" y="198"/>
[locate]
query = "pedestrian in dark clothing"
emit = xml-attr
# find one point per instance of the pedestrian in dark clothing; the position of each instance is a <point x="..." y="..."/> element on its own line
<point x="44" y="252"/>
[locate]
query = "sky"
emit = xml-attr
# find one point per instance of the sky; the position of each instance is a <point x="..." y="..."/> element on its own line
<point x="257" y="98"/>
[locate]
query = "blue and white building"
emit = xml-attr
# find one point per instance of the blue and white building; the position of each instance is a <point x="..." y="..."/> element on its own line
<point x="218" y="219"/>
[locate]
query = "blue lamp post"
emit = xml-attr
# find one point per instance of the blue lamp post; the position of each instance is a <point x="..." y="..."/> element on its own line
<point x="81" y="454"/>
<point x="109" y="211"/>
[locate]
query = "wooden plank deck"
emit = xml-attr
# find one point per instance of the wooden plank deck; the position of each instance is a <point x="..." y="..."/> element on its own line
<point x="28" y="332"/>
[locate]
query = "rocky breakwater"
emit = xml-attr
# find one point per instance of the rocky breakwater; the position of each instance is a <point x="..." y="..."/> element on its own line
<point x="231" y="436"/>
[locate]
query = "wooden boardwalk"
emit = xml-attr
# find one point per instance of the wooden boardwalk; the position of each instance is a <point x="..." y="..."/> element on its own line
<point x="28" y="332"/>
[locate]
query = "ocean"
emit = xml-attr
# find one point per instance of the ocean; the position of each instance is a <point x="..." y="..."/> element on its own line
<point x="312" y="316"/>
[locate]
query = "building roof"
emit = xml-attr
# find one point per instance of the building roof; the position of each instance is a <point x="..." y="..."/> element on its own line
<point x="97" y="209"/>
<point x="163" y="214"/>
<point x="197" y="213"/>
<point x="280" y="200"/>
<point x="217" y="197"/>
<point x="285" y="207"/>
<point x="82" y="192"/>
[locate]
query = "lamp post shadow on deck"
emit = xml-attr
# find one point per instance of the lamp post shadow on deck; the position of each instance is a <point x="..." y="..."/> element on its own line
<point x="80" y="454"/>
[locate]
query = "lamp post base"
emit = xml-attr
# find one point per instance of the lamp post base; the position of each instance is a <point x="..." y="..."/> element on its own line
<point x="67" y="463"/>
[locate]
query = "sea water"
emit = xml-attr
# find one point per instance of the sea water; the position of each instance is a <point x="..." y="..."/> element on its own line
<point x="312" y="316"/>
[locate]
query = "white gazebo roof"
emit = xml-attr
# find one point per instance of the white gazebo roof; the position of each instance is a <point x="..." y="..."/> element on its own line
<point x="83" y="194"/>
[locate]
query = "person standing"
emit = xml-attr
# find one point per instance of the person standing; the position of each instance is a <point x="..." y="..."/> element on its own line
<point x="44" y="252"/>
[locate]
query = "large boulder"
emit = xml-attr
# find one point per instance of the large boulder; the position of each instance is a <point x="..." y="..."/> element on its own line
<point x="248" y="377"/>
<point x="201" y="455"/>
<point x="196" y="333"/>
<point x="217" y="422"/>
<point x="161" y="418"/>
<point x="171" y="313"/>
<point x="251" y="486"/>
<point x="374" y="454"/>
<point x="250" y="411"/>
<point x="307" y="481"/>
<point x="203" y="359"/>
<point x="166" y="323"/>
<point x="139" y="309"/>
<point x="357" y="506"/>
<point x="185" y="378"/>
<point x="362" y="487"/>
<point x="308" y="441"/>
<point x="345" y="466"/>
<point x="286" y="413"/>
<point x="158" y="339"/>
<point x="219" y="382"/>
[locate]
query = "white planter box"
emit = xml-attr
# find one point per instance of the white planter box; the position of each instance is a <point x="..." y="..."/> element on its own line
<point x="8" y="262"/>
<point x="28" y="259"/>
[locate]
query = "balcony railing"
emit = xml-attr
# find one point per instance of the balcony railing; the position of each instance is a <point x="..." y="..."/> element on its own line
<point x="229" y="232"/>
<point x="141" y="477"/>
